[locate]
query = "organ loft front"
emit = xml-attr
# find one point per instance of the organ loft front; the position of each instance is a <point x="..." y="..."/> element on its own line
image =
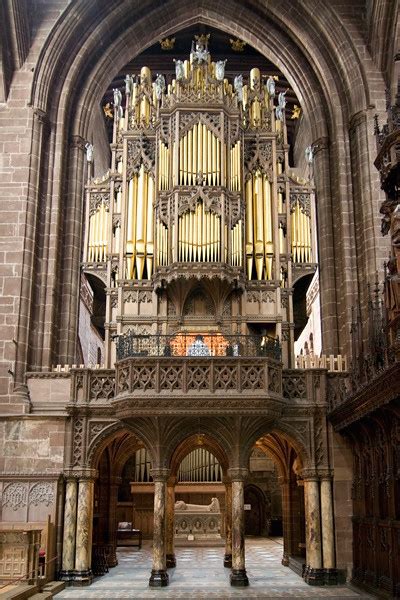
<point x="199" y="230"/>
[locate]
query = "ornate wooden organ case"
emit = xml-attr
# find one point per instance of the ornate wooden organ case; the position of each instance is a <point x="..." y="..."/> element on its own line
<point x="198" y="226"/>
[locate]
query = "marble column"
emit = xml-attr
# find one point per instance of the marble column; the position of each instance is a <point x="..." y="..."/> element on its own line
<point x="314" y="573"/>
<point x="286" y="513"/>
<point x="84" y="529"/>
<point x="228" y="523"/>
<point x="68" y="549"/>
<point x="170" y="529"/>
<point x="112" y="520"/>
<point x="159" y="576"/>
<point x="238" y="575"/>
<point x="328" y="536"/>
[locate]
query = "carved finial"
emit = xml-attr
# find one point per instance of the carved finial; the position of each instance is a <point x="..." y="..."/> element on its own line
<point x="167" y="43"/>
<point x="237" y="45"/>
<point x="296" y="112"/>
<point x="108" y="111"/>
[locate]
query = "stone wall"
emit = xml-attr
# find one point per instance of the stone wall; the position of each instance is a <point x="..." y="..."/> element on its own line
<point x="32" y="445"/>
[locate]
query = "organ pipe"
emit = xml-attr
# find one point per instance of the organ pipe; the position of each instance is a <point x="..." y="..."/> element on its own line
<point x="199" y="236"/>
<point x="98" y="233"/>
<point x="200" y="138"/>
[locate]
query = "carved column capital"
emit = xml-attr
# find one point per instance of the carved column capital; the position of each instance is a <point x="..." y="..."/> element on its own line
<point x="325" y="474"/>
<point x="160" y="474"/>
<point x="77" y="141"/>
<point x="320" y="144"/>
<point x="81" y="473"/>
<point x="309" y="475"/>
<point x="238" y="474"/>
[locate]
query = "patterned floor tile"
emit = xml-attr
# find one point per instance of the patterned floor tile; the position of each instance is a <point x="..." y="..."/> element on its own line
<point x="200" y="574"/>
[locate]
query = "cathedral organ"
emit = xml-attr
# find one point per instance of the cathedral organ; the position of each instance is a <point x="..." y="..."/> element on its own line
<point x="199" y="190"/>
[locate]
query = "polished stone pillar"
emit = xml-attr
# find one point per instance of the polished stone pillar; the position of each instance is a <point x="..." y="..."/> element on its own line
<point x="170" y="529"/>
<point x="68" y="549"/>
<point x="328" y="536"/>
<point x="286" y="514"/>
<point x="112" y="520"/>
<point x="238" y="575"/>
<point x="159" y="575"/>
<point x="314" y="573"/>
<point x="228" y="523"/>
<point x="84" y="529"/>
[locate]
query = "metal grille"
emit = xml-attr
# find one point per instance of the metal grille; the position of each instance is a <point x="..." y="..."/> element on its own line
<point x="186" y="344"/>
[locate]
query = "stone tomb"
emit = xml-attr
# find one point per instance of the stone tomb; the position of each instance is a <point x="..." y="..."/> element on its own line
<point x="195" y="522"/>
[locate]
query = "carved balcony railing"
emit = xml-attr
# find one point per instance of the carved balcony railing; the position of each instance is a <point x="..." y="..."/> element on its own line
<point x="192" y="345"/>
<point x="217" y="376"/>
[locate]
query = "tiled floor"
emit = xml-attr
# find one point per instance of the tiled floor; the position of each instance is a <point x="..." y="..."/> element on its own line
<point x="200" y="574"/>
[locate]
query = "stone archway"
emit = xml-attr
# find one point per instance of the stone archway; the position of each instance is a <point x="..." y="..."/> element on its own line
<point x="67" y="85"/>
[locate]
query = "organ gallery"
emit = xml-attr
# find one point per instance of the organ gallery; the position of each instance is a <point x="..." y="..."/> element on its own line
<point x="199" y="189"/>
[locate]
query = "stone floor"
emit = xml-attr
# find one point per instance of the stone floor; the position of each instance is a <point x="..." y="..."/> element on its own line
<point x="200" y="574"/>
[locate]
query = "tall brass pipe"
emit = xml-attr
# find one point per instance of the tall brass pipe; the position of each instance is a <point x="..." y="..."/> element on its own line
<point x="200" y="147"/>
<point x="149" y="227"/>
<point x="209" y="157"/>
<point x="249" y="226"/>
<point x="218" y="238"/>
<point x="258" y="224"/>
<point x="181" y="161"/>
<point x="268" y="240"/>
<point x="141" y="222"/>
<point x="190" y="156"/>
<point x="214" y="160"/>
<point x="218" y="163"/>
<point x="204" y="151"/>
<point x="185" y="157"/>
<point x="195" y="152"/>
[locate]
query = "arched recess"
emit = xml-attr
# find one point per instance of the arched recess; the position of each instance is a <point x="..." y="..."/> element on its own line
<point x="198" y="441"/>
<point x="289" y="456"/>
<point x="309" y="44"/>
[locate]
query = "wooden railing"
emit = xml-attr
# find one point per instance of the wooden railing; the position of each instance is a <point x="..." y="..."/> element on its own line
<point x="334" y="364"/>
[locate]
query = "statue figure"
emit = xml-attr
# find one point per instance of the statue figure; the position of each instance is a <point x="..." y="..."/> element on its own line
<point x="220" y="70"/>
<point x="179" y="70"/>
<point x="117" y="97"/>
<point x="282" y="100"/>
<point x="89" y="152"/>
<point x="159" y="86"/>
<point x="270" y="85"/>
<point x="180" y="505"/>
<point x="118" y="102"/>
<point x="279" y="113"/>
<point x="238" y="87"/>
<point x="128" y="84"/>
<point x="309" y="154"/>
<point x="200" y="54"/>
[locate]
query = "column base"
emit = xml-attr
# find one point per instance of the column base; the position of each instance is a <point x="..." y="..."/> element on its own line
<point x="171" y="561"/>
<point x="285" y="560"/>
<point x="314" y="576"/>
<point x="82" y="578"/>
<point x="239" y="578"/>
<point x="158" y="578"/>
<point x="228" y="561"/>
<point x="66" y="576"/>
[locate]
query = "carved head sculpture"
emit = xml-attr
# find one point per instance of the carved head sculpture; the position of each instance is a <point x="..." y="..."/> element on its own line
<point x="220" y="70"/>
